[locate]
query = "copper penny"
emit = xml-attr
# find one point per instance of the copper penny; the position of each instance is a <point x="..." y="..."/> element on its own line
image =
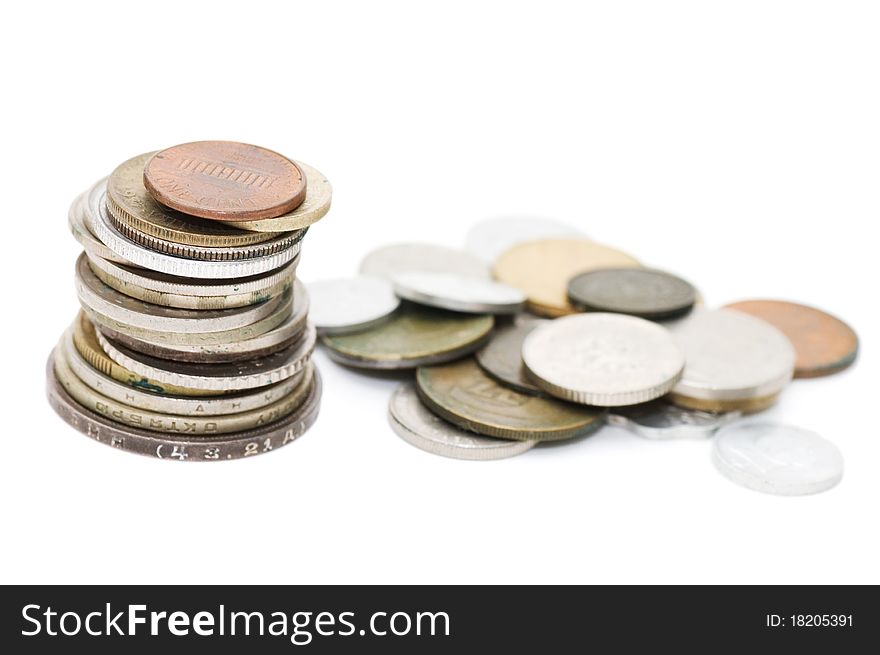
<point x="225" y="181"/>
<point x="823" y="343"/>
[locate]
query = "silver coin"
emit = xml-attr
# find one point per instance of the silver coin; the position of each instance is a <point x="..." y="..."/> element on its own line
<point x="99" y="297"/>
<point x="659" y="419"/>
<point x="731" y="356"/>
<point x="177" y="447"/>
<point x="489" y="238"/>
<point x="167" y="404"/>
<point x="501" y="358"/>
<point x="247" y="374"/>
<point x="80" y="231"/>
<point x="99" y="222"/>
<point x="389" y="261"/>
<point x="273" y="320"/>
<point x="777" y="459"/>
<point x="600" y="359"/>
<point x="350" y="304"/>
<point x="458" y="292"/>
<point x="417" y="425"/>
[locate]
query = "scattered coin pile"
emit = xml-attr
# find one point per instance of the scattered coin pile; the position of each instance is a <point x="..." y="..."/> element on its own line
<point x="193" y="342"/>
<point x="536" y="333"/>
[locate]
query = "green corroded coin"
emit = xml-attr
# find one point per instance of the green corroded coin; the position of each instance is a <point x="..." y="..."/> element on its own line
<point x="463" y="394"/>
<point x="411" y="337"/>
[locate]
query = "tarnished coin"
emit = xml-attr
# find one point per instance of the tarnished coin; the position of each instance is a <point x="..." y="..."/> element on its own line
<point x="86" y="340"/>
<point x="418" y="426"/>
<point x="741" y="405"/>
<point x="823" y="343"/>
<point x="777" y="459"/>
<point x="464" y="395"/>
<point x="412" y="336"/>
<point x="458" y="293"/>
<point x="389" y="261"/>
<point x="167" y="404"/>
<point x="489" y="238"/>
<point x="643" y="292"/>
<point x="95" y="295"/>
<point x="603" y="359"/>
<point x="129" y="203"/>
<point x="225" y="181"/>
<point x="247" y="374"/>
<point x="502" y="359"/>
<point x="731" y="356"/>
<point x="76" y="221"/>
<point x="180" y="447"/>
<point x="659" y="419"/>
<point x="350" y="304"/>
<point x="319" y="194"/>
<point x="173" y="423"/>
<point x="542" y="269"/>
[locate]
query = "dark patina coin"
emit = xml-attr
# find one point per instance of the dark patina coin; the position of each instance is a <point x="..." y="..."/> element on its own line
<point x="643" y="292"/>
<point x="501" y="358"/>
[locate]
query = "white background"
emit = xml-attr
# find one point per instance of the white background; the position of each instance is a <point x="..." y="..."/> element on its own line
<point x="735" y="143"/>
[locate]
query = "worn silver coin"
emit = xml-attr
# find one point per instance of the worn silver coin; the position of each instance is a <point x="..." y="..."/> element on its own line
<point x="392" y="260"/>
<point x="459" y="293"/>
<point x="731" y="356"/>
<point x="602" y="359"/>
<point x="659" y="419"/>
<point x="349" y="304"/>
<point x="489" y="238"/>
<point x="777" y="459"/>
<point x="418" y="426"/>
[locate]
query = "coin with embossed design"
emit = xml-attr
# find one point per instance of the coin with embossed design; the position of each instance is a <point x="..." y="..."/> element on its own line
<point x="417" y="425"/>
<point x="644" y="292"/>
<point x="225" y="180"/>
<point x="464" y="395"/>
<point x="659" y="419"/>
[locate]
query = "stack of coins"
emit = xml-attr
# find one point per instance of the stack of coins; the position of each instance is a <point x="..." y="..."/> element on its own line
<point x="193" y="342"/>
<point x="536" y="333"/>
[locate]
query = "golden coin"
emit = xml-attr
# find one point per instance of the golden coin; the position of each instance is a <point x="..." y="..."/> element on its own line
<point x="463" y="394"/>
<point x="129" y="203"/>
<point x="412" y="336"/>
<point x="744" y="405"/>
<point x="542" y="270"/>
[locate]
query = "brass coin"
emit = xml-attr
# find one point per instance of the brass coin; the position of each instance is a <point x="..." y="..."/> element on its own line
<point x="823" y="343"/>
<point x="86" y="341"/>
<point x="502" y="359"/>
<point x="464" y="395"/>
<point x="129" y="203"/>
<point x="542" y="269"/>
<point x="412" y="336"/>
<point x="225" y="181"/>
<point x="744" y="405"/>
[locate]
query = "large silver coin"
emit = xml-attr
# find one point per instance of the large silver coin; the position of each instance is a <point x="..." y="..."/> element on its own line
<point x="168" y="404"/>
<point x="603" y="359"/>
<point x="95" y="295"/>
<point x="350" y="304"/>
<point x="179" y="447"/>
<point x="777" y="459"/>
<point x="417" y="425"/>
<point x="100" y="224"/>
<point x="389" y="261"/>
<point x="659" y="419"/>
<point x="731" y="356"/>
<point x="501" y="358"/>
<point x="247" y="374"/>
<point x="458" y="293"/>
<point x="488" y="239"/>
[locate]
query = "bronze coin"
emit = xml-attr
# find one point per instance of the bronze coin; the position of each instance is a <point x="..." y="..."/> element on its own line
<point x="225" y="181"/>
<point x="744" y="405"/>
<point x="464" y="395"/>
<point x="823" y="343"/>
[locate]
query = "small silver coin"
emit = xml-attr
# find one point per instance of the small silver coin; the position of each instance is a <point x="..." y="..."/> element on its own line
<point x="502" y="359"/>
<point x="600" y="359"/>
<point x="659" y="419"/>
<point x="389" y="261"/>
<point x="458" y="293"/>
<point x="731" y="356"/>
<point x="777" y="458"/>
<point x="350" y="304"/>
<point x="489" y="238"/>
<point x="417" y="425"/>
